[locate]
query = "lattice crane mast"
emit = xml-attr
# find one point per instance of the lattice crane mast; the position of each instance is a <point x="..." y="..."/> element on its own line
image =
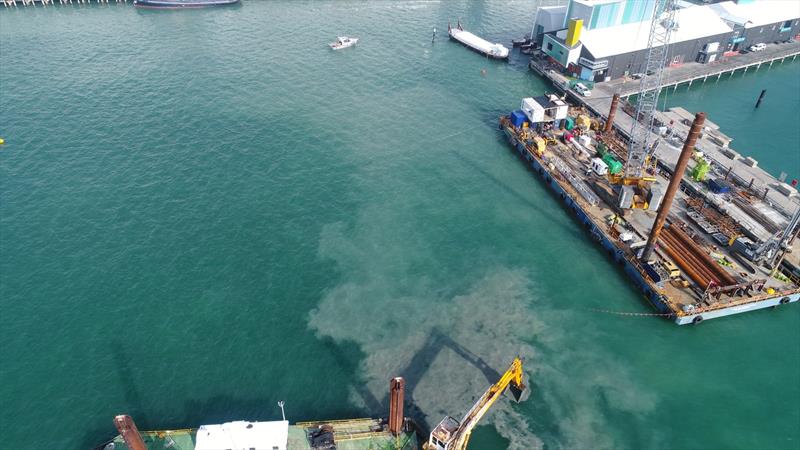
<point x="641" y="147"/>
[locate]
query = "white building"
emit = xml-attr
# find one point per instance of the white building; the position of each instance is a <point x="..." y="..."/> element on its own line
<point x="612" y="38"/>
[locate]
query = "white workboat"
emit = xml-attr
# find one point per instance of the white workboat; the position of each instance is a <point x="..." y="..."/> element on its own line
<point x="480" y="45"/>
<point x="343" y="42"/>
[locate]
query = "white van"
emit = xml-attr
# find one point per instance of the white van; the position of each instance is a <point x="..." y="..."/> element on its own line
<point x="583" y="90"/>
<point x="758" y="47"/>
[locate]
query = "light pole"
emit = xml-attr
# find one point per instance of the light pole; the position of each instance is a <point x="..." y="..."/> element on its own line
<point x="283" y="414"/>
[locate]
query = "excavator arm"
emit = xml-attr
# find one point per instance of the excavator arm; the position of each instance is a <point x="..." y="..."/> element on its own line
<point x="452" y="435"/>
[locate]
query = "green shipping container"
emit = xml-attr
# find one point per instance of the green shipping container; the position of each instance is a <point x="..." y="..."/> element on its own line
<point x="569" y="123"/>
<point x="614" y="166"/>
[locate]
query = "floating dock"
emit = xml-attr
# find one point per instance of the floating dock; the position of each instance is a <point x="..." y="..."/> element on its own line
<point x="699" y="270"/>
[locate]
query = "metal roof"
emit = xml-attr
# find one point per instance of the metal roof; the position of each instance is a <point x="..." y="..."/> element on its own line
<point x="693" y="23"/>
<point x="758" y="13"/>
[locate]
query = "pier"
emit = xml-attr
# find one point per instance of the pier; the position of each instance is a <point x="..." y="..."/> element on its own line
<point x="34" y="3"/>
<point x="690" y="73"/>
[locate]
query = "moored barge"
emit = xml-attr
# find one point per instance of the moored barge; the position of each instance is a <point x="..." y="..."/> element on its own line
<point x="480" y="45"/>
<point x="569" y="163"/>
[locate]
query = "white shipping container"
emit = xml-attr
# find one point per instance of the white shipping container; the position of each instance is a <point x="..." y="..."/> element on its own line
<point x="533" y="110"/>
<point x="599" y="166"/>
<point x="561" y="107"/>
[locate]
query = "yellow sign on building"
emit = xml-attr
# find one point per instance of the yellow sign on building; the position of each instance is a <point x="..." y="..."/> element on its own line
<point x="574" y="32"/>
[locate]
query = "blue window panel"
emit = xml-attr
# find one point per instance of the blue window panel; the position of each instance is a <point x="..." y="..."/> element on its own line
<point x="634" y="11"/>
<point x="638" y="11"/>
<point x="605" y="15"/>
<point x="568" y="16"/>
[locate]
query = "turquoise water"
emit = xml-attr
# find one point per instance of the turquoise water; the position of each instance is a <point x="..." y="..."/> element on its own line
<point x="771" y="133"/>
<point x="205" y="212"/>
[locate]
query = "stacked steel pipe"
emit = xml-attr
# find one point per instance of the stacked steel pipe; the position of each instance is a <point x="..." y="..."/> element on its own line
<point x="686" y="261"/>
<point x="695" y="262"/>
<point x="722" y="275"/>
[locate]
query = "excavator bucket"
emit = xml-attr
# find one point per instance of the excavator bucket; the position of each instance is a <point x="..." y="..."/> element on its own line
<point x="519" y="393"/>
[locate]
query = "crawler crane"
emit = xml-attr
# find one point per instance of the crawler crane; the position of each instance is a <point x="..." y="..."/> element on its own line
<point x="641" y="148"/>
<point x="452" y="435"/>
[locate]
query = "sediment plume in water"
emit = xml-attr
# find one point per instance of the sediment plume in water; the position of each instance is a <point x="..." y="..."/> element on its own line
<point x="451" y="347"/>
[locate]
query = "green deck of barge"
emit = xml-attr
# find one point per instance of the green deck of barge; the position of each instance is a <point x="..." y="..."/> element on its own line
<point x="353" y="434"/>
<point x="158" y="440"/>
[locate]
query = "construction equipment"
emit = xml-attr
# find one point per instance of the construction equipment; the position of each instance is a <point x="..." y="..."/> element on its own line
<point x="641" y="149"/>
<point x="452" y="435"/>
<point x="771" y="250"/>
<point x="700" y="169"/>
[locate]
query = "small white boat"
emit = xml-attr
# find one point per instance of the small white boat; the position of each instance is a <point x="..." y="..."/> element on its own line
<point x="343" y="42"/>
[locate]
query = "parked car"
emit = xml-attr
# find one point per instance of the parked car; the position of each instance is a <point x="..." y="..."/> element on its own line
<point x="758" y="47"/>
<point x="583" y="90"/>
<point x="639" y="75"/>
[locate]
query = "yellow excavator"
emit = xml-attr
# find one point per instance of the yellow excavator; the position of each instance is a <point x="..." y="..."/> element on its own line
<point x="452" y="435"/>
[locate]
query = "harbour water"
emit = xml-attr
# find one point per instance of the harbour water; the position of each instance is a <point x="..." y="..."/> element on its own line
<point x="769" y="133"/>
<point x="205" y="212"/>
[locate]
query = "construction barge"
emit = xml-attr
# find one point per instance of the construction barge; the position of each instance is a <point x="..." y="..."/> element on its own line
<point x="397" y="432"/>
<point x="352" y="434"/>
<point x="683" y="247"/>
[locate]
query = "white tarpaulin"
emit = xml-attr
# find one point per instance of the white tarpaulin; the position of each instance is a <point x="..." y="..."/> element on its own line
<point x="243" y="435"/>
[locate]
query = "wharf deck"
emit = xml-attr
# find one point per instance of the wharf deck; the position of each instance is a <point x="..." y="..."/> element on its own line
<point x="690" y="72"/>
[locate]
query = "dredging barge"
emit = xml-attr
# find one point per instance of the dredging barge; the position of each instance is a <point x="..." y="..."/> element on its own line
<point x="397" y="432"/>
<point x="702" y="263"/>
